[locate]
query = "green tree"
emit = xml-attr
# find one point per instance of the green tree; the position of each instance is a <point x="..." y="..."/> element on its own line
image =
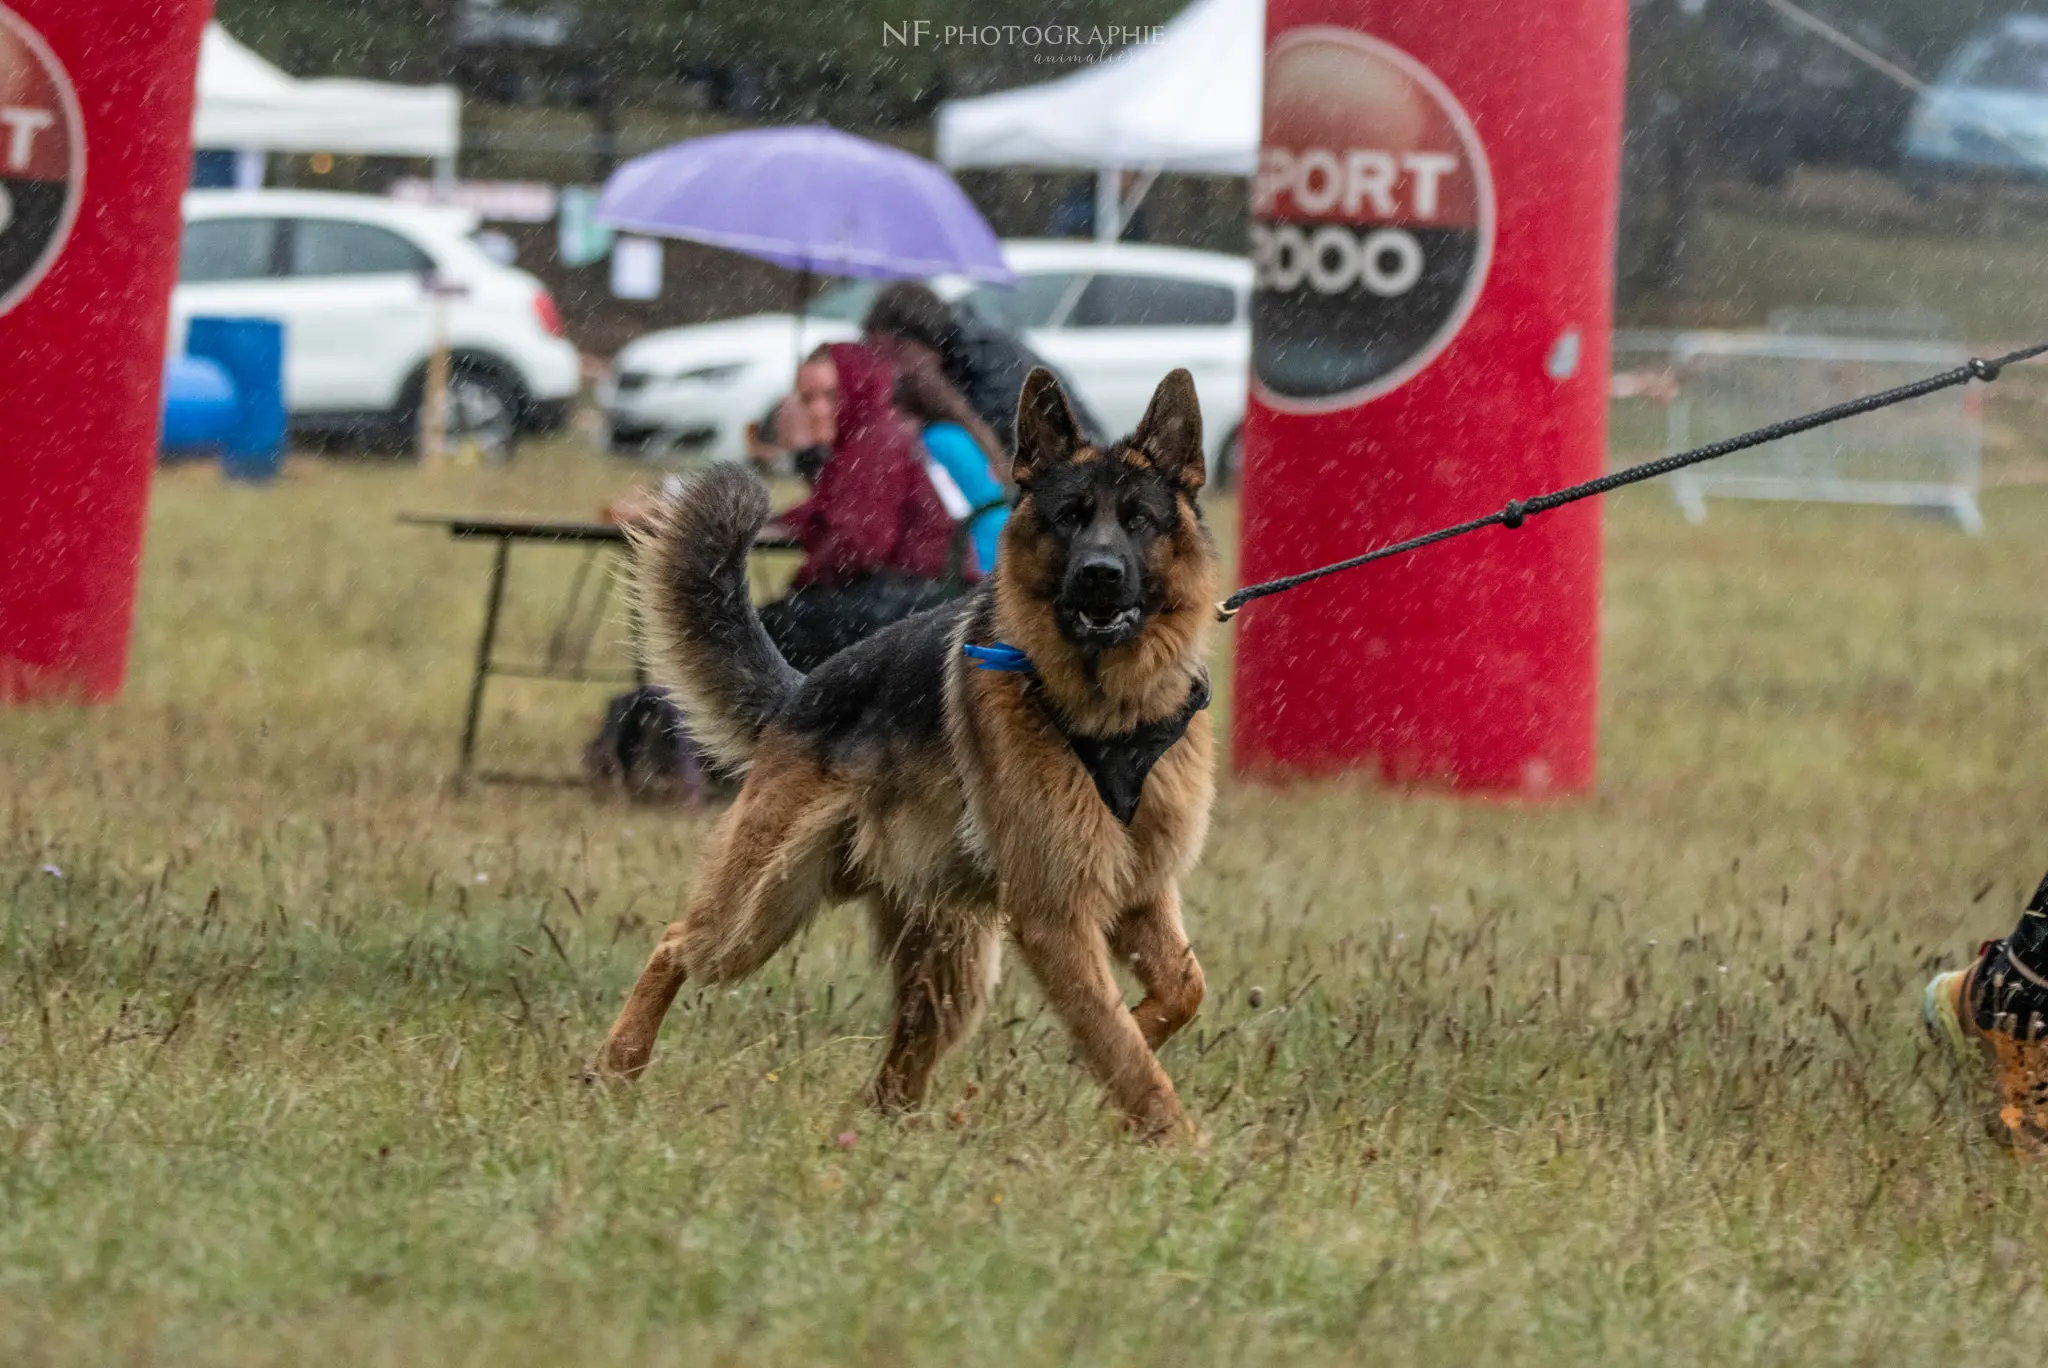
<point x="387" y="39"/>
<point x="820" y="47"/>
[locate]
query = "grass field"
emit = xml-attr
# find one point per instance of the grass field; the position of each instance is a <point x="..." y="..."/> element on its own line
<point x="290" y="1033"/>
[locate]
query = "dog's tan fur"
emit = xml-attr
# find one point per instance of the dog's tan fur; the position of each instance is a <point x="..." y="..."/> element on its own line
<point x="991" y="825"/>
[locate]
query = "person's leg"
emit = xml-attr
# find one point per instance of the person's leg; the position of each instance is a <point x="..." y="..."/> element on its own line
<point x="2028" y="944"/>
<point x="2006" y="986"/>
<point x="1996" y="1008"/>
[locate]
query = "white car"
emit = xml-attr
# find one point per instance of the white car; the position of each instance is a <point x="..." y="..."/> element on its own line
<point x="349" y="277"/>
<point x="1112" y="317"/>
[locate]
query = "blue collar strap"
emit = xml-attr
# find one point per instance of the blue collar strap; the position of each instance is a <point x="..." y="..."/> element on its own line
<point x="999" y="657"/>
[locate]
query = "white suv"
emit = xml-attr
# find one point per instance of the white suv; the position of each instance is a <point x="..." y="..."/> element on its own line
<point x="1112" y="317"/>
<point x="348" y="276"/>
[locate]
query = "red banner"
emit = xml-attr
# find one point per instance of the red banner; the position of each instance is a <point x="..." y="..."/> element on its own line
<point x="95" y="151"/>
<point x="1434" y="241"/>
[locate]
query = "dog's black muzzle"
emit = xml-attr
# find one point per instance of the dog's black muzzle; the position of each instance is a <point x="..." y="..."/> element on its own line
<point x="1101" y="603"/>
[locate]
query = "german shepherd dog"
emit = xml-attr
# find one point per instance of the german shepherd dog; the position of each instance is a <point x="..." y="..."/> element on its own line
<point x="1059" y="797"/>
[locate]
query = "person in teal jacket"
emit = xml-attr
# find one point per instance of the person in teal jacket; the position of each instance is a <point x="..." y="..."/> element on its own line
<point x="952" y="448"/>
<point x="959" y="447"/>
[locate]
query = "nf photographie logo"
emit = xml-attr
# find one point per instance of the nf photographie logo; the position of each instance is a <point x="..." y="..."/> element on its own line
<point x="1082" y="41"/>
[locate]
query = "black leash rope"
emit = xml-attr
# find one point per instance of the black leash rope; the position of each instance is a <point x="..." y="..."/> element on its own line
<point x="1519" y="511"/>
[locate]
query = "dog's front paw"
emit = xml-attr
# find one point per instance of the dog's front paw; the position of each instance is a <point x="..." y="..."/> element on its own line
<point x="621" y="1061"/>
<point x="893" y="1096"/>
<point x="1160" y="1121"/>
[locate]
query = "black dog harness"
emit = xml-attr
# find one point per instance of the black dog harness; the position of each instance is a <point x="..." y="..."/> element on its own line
<point x="1118" y="764"/>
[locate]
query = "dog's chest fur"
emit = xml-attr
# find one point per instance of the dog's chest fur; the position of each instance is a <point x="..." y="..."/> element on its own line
<point x="1031" y="814"/>
<point x="962" y="784"/>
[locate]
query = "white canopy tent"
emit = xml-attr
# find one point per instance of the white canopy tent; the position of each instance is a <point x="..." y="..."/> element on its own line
<point x="245" y="103"/>
<point x="1188" y="102"/>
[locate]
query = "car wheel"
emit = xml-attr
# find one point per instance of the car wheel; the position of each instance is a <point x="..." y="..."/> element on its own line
<point x="484" y="408"/>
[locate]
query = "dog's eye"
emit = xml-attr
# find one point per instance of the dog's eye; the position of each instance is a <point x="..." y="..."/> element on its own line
<point x="1138" y="518"/>
<point x="1072" y="513"/>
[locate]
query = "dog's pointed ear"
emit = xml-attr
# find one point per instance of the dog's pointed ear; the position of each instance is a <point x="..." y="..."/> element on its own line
<point x="1170" y="434"/>
<point x="1047" y="431"/>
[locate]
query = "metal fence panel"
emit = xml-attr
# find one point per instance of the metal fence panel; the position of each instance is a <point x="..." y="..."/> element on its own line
<point x="1923" y="454"/>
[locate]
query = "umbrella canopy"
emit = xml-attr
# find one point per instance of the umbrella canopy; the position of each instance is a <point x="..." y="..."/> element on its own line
<point x="809" y="199"/>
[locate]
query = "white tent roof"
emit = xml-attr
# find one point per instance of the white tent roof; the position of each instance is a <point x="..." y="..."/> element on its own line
<point x="244" y="101"/>
<point x="1187" y="102"/>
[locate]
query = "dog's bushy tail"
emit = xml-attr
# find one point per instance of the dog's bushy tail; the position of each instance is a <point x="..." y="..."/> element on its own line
<point x="699" y="635"/>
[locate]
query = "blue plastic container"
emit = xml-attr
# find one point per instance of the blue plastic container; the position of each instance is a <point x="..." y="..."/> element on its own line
<point x="227" y="394"/>
<point x="199" y="405"/>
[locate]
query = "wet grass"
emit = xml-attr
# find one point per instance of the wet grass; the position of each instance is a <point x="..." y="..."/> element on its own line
<point x="289" y="1032"/>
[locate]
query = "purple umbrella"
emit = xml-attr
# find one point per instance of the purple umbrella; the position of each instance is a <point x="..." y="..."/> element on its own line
<point x="811" y="199"/>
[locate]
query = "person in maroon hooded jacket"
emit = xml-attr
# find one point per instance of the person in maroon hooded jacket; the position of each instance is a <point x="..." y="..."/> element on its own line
<point x="878" y="542"/>
<point x="878" y="546"/>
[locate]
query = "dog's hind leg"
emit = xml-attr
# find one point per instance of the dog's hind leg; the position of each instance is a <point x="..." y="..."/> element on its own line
<point x="944" y="964"/>
<point x="1070" y="959"/>
<point x="767" y="868"/>
<point x="1149" y="938"/>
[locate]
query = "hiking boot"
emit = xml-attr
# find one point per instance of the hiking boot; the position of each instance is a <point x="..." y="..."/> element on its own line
<point x="1995" y="1010"/>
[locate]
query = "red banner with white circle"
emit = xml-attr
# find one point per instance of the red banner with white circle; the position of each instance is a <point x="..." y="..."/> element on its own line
<point x="1372" y="225"/>
<point x="88" y="255"/>
<point x="1434" y="238"/>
